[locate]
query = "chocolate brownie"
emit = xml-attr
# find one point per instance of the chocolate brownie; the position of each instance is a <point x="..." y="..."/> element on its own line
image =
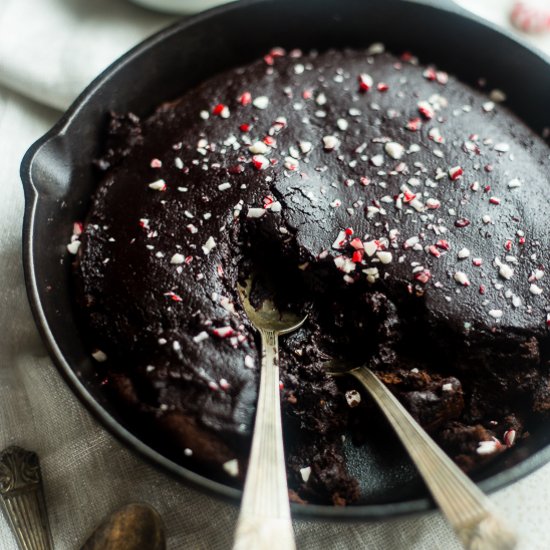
<point x="403" y="210"/>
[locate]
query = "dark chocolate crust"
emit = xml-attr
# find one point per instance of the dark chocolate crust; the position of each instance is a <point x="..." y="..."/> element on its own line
<point x="407" y="210"/>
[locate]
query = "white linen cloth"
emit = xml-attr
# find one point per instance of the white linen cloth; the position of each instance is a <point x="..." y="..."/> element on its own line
<point x="49" y="50"/>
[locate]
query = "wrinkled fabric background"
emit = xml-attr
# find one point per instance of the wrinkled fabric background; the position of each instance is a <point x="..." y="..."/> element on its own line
<point x="49" y="50"/>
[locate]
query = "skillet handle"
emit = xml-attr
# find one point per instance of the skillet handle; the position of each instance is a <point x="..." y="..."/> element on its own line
<point x="47" y="168"/>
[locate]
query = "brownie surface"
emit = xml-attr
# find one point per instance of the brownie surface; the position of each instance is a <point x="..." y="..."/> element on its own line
<point x="404" y="211"/>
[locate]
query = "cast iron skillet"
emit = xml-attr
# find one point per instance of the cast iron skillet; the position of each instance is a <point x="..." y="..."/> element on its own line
<point x="58" y="179"/>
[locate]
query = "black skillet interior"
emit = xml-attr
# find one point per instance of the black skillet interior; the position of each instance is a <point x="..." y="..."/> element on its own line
<point x="58" y="177"/>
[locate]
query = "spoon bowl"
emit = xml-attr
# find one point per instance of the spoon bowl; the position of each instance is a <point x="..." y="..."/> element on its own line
<point x="267" y="316"/>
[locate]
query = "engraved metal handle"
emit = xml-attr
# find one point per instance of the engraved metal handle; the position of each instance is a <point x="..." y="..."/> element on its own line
<point x="264" y="521"/>
<point x="466" y="507"/>
<point x="23" y="498"/>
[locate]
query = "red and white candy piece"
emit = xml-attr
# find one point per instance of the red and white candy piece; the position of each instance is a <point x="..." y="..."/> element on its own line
<point x="365" y="82"/>
<point x="509" y="437"/>
<point x="223" y="332"/>
<point x="260" y="162"/>
<point x="531" y="16"/>
<point x="489" y="447"/>
<point x="159" y="185"/>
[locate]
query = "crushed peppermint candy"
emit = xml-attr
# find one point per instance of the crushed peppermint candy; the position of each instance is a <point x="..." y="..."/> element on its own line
<point x="433" y="204"/>
<point x="344" y="264"/>
<point x="461" y="278"/>
<point x="509" y="437"/>
<point x="426" y="110"/>
<point x="342" y="124"/>
<point x="455" y="173"/>
<point x="504" y="270"/>
<point x="384" y="257"/>
<point x="370" y="247"/>
<point x="411" y="242"/>
<point x="173" y="296"/>
<point x="291" y="164"/>
<point x="158" y="185"/>
<point x="177" y="259"/>
<point x="259" y="147"/>
<point x="305" y="146"/>
<point x="340" y="241"/>
<point x="502" y="147"/>
<point x="414" y="124"/>
<point x="73" y="246"/>
<point x="423" y="276"/>
<point x="223" y="332"/>
<point x="99" y="356"/>
<point x="78" y="228"/>
<point x="200" y="337"/>
<point x="372" y="274"/>
<point x="435" y="135"/>
<point x="255" y="212"/>
<point x="376" y="48"/>
<point x="365" y="82"/>
<point x="245" y="98"/>
<point x="488" y="447"/>
<point x="232" y="467"/>
<point x="498" y="96"/>
<point x="260" y="162"/>
<point x="377" y="160"/>
<point x="394" y="150"/>
<point x="330" y="143"/>
<point x="305" y="473"/>
<point x="535" y="290"/>
<point x="261" y="102"/>
<point x="209" y="245"/>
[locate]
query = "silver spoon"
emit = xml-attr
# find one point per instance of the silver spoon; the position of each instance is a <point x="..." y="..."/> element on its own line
<point x="466" y="507"/>
<point x="264" y="520"/>
<point x="135" y="526"/>
<point x="23" y="499"/>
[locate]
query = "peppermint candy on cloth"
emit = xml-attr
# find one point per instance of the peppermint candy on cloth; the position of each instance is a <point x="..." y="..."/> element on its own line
<point x="531" y="16"/>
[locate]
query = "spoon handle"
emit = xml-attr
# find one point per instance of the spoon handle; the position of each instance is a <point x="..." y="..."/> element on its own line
<point x="466" y="507"/>
<point x="264" y="521"/>
<point x="23" y="499"/>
